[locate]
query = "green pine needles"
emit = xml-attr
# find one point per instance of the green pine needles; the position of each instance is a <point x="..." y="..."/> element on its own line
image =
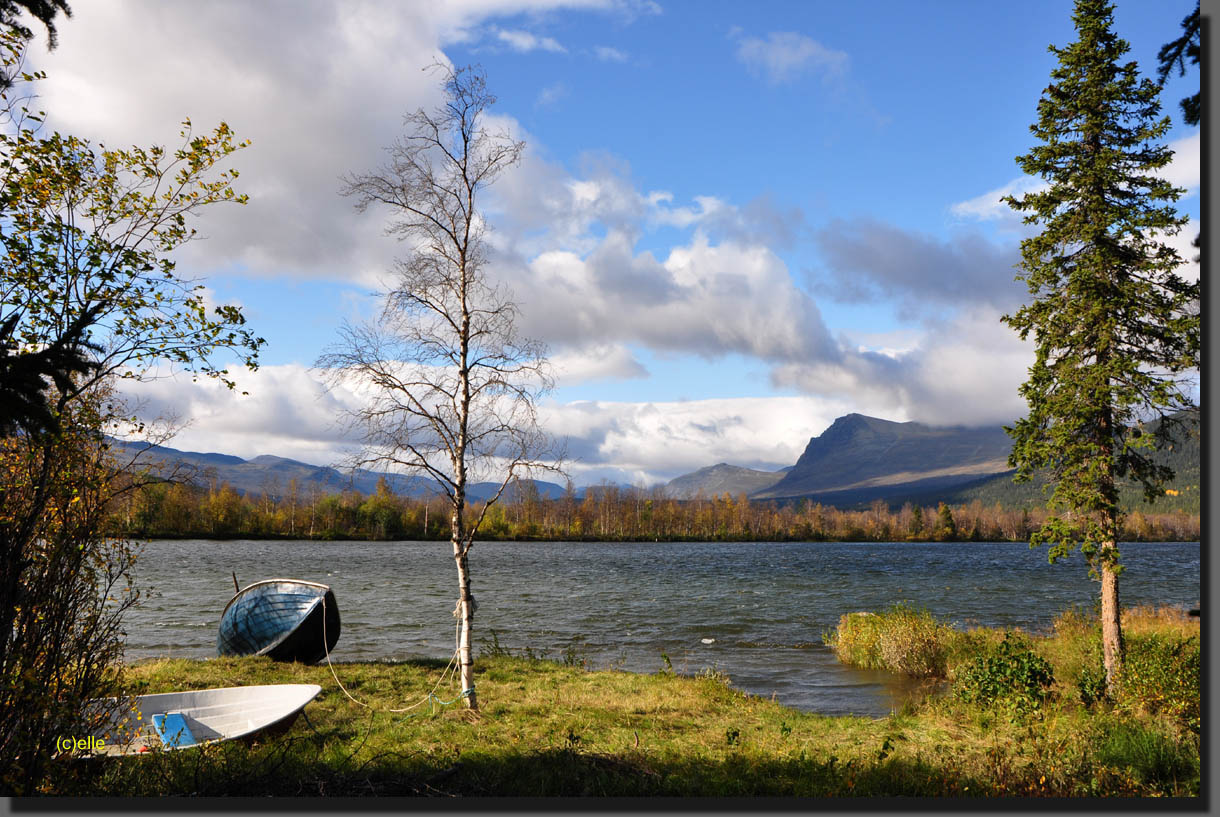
<point x="1116" y="328"/>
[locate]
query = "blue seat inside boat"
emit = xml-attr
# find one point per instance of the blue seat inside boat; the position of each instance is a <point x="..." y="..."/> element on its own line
<point x="173" y="731"/>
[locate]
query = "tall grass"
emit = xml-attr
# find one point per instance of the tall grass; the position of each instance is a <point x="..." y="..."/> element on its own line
<point x="556" y="728"/>
<point x="899" y="639"/>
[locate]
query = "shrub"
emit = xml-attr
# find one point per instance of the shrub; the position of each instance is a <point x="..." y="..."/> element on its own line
<point x="1092" y="684"/>
<point x="1009" y="673"/>
<point x="1161" y="675"/>
<point x="900" y="639"/>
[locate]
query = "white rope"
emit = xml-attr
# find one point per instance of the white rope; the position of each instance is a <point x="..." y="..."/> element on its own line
<point x="431" y="696"/>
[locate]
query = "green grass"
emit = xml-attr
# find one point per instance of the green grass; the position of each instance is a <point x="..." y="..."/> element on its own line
<point x="556" y="728"/>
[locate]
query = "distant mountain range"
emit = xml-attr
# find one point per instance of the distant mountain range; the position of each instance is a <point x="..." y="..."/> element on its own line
<point x="855" y="461"/>
<point x="273" y="475"/>
<point x="860" y="459"/>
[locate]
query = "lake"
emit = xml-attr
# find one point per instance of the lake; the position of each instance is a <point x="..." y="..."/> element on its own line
<point x="764" y="606"/>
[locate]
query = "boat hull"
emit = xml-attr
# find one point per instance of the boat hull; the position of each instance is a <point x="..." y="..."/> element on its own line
<point x="209" y="715"/>
<point x="283" y="619"/>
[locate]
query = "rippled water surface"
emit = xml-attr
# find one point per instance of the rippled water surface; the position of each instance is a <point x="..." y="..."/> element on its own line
<point x="622" y="605"/>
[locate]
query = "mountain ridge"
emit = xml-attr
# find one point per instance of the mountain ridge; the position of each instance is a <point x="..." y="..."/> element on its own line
<point x="719" y="479"/>
<point x="856" y="460"/>
<point x="271" y="474"/>
<point x="859" y="452"/>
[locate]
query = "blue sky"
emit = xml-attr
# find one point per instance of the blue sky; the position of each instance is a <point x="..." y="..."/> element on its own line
<point x="734" y="222"/>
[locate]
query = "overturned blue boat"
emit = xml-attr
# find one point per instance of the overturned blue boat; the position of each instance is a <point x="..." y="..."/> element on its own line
<point x="283" y="619"/>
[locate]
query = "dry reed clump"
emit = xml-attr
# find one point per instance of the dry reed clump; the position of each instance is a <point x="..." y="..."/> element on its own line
<point x="1164" y="620"/>
<point x="900" y="639"/>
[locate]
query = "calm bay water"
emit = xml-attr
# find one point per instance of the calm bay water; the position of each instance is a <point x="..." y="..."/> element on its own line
<point x="622" y="605"/>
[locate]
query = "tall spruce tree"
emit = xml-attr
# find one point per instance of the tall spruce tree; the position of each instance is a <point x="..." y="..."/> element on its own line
<point x="1116" y="328"/>
<point x="1175" y="55"/>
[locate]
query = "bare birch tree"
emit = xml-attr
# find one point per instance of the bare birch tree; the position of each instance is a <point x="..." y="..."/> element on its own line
<point x="451" y="387"/>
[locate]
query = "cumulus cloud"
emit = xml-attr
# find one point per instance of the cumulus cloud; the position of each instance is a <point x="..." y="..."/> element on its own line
<point x="538" y="206"/>
<point x="785" y="55"/>
<point x="646" y="443"/>
<point x="1184" y="170"/>
<point x="964" y="370"/>
<point x="285" y="410"/>
<point x="762" y="220"/>
<point x="320" y="89"/>
<point x="869" y="261"/>
<point x="567" y="241"/>
<point x="598" y="361"/>
<point x="288" y="412"/>
<point x="724" y="291"/>
<point x="310" y="113"/>
<point x="705" y="299"/>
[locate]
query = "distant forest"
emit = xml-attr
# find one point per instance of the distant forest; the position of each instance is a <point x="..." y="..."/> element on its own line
<point x="605" y="513"/>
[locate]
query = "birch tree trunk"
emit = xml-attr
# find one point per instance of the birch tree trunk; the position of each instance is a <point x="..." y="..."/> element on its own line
<point x="465" y="613"/>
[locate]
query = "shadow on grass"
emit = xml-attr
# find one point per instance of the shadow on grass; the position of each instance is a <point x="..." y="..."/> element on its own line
<point x="300" y="766"/>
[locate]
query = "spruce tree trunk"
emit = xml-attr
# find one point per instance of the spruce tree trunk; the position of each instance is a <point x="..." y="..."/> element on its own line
<point x="1111" y="625"/>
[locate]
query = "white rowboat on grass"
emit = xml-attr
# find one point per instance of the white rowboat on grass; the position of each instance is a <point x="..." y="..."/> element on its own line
<point x="178" y="720"/>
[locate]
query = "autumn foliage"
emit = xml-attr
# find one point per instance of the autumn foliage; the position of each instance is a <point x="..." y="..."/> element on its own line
<point x="603" y="513"/>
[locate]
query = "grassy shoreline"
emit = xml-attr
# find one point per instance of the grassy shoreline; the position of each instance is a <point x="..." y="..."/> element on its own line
<point x="549" y="728"/>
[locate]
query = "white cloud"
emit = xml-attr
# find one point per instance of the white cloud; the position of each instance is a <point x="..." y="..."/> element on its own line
<point x="1183" y="243"/>
<point x="598" y="361"/>
<point x="524" y="41"/>
<point x="963" y="371"/>
<point x="682" y="217"/>
<point x="703" y="298"/>
<point x="968" y="372"/>
<point x="550" y="95"/>
<point x="286" y="411"/>
<point x="1184" y="170"/>
<point x="990" y="207"/>
<point x="312" y="113"/>
<point x="607" y="54"/>
<point x="289" y="413"/>
<point x="870" y="261"/>
<point x="566" y="241"/>
<point x="655" y="442"/>
<point x="784" y="55"/>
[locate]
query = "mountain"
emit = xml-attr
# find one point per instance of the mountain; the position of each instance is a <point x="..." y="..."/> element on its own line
<point x="856" y="460"/>
<point x="272" y="475"/>
<point x="1183" y="457"/>
<point x="861" y="458"/>
<point x="716" y="480"/>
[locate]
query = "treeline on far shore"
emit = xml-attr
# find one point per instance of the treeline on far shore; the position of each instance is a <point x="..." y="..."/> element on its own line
<point x="608" y="513"/>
